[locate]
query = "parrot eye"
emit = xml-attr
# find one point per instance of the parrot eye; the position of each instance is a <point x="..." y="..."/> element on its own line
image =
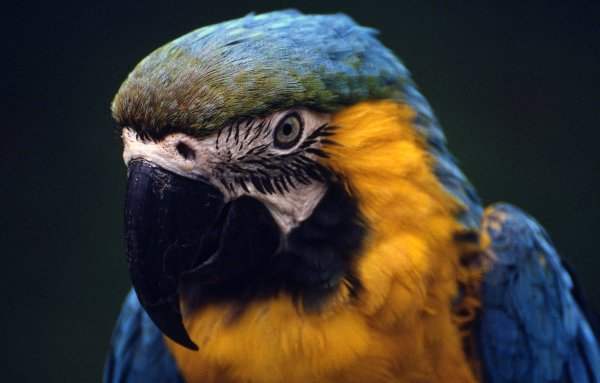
<point x="288" y="131"/>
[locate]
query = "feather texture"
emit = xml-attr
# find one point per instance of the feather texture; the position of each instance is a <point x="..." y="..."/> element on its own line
<point x="254" y="65"/>
<point x="532" y="328"/>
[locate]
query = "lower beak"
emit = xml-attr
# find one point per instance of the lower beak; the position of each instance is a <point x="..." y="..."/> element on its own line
<point x="168" y="219"/>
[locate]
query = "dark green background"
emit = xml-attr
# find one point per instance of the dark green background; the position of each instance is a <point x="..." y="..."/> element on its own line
<point x="516" y="88"/>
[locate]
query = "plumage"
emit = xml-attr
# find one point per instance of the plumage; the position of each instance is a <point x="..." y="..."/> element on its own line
<point x="532" y="328"/>
<point x="357" y="253"/>
<point x="256" y="64"/>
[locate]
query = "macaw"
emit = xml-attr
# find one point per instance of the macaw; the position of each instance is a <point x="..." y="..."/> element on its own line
<point x="293" y="214"/>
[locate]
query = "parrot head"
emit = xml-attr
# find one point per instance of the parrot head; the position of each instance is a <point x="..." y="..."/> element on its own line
<point x="272" y="156"/>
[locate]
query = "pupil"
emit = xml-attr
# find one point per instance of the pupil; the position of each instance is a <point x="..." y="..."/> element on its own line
<point x="287" y="129"/>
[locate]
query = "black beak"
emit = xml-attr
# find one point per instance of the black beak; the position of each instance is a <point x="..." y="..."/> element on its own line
<point x="168" y="219"/>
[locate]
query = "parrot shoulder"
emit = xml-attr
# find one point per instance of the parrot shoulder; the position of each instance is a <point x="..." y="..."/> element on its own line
<point x="137" y="350"/>
<point x="533" y="326"/>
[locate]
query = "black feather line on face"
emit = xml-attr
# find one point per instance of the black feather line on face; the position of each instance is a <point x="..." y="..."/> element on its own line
<point x="229" y="129"/>
<point x="271" y="173"/>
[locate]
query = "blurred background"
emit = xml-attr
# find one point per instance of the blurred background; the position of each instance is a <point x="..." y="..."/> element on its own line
<point x="516" y="88"/>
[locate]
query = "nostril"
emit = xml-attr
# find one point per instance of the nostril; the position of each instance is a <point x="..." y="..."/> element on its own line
<point x="185" y="151"/>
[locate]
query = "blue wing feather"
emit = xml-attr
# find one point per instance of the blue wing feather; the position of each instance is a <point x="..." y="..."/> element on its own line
<point x="532" y="329"/>
<point x="137" y="352"/>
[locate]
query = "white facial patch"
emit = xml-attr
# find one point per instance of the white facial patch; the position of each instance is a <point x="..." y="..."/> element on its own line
<point x="243" y="159"/>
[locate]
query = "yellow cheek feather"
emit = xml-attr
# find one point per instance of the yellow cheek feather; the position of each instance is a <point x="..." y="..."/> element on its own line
<point x="401" y="327"/>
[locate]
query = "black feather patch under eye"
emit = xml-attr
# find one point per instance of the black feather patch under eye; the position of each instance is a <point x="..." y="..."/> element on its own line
<point x="288" y="131"/>
<point x="317" y="256"/>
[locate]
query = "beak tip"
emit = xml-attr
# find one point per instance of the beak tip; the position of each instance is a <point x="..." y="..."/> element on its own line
<point x="170" y="324"/>
<point x="187" y="343"/>
<point x="192" y="346"/>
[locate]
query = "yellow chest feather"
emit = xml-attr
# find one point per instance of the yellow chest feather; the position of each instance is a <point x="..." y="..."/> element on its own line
<point x="401" y="327"/>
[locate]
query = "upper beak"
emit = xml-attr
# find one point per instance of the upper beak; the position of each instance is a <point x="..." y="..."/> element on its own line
<point x="167" y="221"/>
